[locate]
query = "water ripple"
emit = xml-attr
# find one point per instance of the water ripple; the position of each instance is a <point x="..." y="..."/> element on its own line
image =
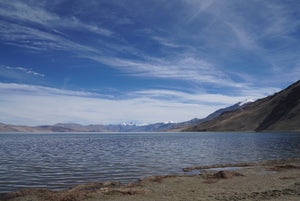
<point x="58" y="161"/>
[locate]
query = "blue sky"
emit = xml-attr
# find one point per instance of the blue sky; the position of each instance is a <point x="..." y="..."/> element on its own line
<point x="149" y="61"/>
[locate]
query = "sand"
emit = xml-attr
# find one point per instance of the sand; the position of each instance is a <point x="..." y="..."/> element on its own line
<point x="268" y="180"/>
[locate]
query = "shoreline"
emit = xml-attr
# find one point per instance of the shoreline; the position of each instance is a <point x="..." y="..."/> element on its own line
<point x="266" y="180"/>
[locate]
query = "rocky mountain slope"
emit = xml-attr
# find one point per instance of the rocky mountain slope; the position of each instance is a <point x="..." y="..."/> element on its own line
<point x="279" y="112"/>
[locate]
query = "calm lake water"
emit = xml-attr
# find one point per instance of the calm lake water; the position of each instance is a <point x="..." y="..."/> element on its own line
<point x="59" y="161"/>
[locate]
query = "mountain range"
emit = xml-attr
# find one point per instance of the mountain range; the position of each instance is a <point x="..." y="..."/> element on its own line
<point x="278" y="112"/>
<point x="275" y="113"/>
<point x="126" y="127"/>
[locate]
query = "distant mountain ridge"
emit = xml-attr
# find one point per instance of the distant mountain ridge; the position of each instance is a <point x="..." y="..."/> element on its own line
<point x="46" y="128"/>
<point x="275" y="113"/>
<point x="125" y="127"/>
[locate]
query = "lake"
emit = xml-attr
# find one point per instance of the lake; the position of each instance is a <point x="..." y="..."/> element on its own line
<point x="61" y="160"/>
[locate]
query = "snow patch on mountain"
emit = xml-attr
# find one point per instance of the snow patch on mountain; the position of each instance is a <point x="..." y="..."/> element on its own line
<point x="133" y="123"/>
<point x="246" y="101"/>
<point x="169" y="122"/>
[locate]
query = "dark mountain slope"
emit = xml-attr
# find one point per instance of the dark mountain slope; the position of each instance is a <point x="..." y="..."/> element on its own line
<point x="285" y="109"/>
<point x="279" y="112"/>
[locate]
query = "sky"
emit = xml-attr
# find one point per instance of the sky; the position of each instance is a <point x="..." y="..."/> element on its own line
<point x="109" y="62"/>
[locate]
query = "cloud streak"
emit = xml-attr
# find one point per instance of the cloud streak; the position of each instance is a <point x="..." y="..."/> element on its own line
<point x="41" y="40"/>
<point x="20" y="74"/>
<point x="21" y="12"/>
<point x="25" y="70"/>
<point x="184" y="67"/>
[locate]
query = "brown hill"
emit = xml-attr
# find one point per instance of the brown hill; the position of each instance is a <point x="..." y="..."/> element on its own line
<point x="13" y="128"/>
<point x="279" y="112"/>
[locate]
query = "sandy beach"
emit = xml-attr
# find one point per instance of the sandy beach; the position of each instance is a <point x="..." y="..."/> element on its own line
<point x="267" y="180"/>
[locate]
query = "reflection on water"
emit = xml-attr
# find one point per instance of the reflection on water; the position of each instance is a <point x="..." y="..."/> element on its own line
<point x="58" y="161"/>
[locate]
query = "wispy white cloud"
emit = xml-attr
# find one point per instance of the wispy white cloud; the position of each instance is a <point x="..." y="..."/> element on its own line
<point x="199" y="98"/>
<point x="25" y="70"/>
<point x="280" y="73"/>
<point x="182" y="67"/>
<point x="281" y="21"/>
<point x="11" y="88"/>
<point x="165" y="42"/>
<point x="245" y="40"/>
<point x="20" y="74"/>
<point x="38" y="39"/>
<point x="209" y="98"/>
<point x="200" y="6"/>
<point x="258" y="92"/>
<point x="21" y="12"/>
<point x="37" y="29"/>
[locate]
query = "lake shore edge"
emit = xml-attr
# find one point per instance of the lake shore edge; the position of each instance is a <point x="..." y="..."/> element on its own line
<point x="266" y="180"/>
